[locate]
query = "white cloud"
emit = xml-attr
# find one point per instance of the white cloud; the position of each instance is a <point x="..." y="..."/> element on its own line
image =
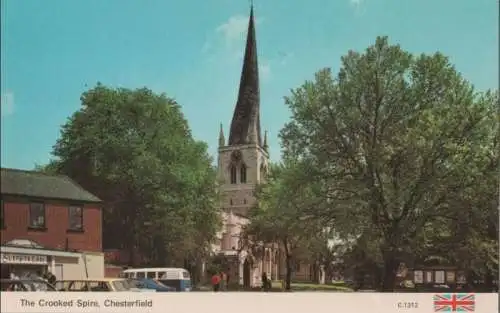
<point x="265" y="70"/>
<point x="7" y="104"/>
<point x="356" y="3"/>
<point x="226" y="46"/>
<point x="234" y="28"/>
<point x="359" y="7"/>
<point x="232" y="32"/>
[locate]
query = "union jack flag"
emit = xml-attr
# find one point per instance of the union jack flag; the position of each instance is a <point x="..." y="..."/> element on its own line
<point x="454" y="302"/>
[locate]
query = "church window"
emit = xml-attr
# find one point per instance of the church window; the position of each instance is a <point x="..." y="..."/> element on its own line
<point x="232" y="171"/>
<point x="243" y="174"/>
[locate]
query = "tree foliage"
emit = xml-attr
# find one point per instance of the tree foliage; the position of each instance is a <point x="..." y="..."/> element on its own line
<point x="134" y="150"/>
<point x="405" y="150"/>
<point x="279" y="219"/>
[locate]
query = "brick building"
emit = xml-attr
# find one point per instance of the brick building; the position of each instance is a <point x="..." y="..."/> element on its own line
<point x="49" y="223"/>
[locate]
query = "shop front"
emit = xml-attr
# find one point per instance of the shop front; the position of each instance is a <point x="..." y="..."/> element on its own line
<point x="24" y="258"/>
<point x="23" y="265"/>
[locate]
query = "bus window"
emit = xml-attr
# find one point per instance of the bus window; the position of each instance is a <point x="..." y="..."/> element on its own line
<point x="140" y="275"/>
<point x="129" y="275"/>
<point x="151" y="275"/>
<point x="185" y="274"/>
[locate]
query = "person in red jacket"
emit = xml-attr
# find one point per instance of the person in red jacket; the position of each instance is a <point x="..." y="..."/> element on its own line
<point x="216" y="281"/>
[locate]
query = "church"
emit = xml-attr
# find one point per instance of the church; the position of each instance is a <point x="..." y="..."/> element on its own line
<point x="243" y="162"/>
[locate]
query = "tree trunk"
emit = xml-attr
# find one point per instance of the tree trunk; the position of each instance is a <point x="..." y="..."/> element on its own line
<point x="288" y="280"/>
<point x="288" y="261"/>
<point x="359" y="277"/>
<point x="391" y="266"/>
<point x="377" y="278"/>
<point x="316" y="272"/>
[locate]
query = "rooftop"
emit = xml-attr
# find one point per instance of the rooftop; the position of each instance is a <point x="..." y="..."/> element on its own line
<point x="40" y="185"/>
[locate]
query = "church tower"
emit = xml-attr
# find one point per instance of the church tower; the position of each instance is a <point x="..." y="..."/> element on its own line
<point x="243" y="159"/>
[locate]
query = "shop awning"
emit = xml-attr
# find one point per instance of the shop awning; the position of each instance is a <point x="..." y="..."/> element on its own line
<point x="21" y="250"/>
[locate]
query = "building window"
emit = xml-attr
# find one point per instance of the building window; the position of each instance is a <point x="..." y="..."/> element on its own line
<point x="233" y="174"/>
<point x="243" y="174"/>
<point x="37" y="215"/>
<point x="75" y="218"/>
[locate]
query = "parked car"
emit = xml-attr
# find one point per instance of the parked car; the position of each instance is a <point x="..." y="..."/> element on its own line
<point x="24" y="285"/>
<point x="150" y="284"/>
<point x="96" y="285"/>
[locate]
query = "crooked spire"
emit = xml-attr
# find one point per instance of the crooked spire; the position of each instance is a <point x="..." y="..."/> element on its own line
<point x="245" y="125"/>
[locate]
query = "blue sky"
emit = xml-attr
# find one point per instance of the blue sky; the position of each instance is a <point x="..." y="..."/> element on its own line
<point x="192" y="50"/>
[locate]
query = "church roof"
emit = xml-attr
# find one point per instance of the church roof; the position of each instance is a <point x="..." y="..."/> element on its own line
<point x="245" y="125"/>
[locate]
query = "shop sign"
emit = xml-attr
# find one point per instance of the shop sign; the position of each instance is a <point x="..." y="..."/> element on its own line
<point x="11" y="258"/>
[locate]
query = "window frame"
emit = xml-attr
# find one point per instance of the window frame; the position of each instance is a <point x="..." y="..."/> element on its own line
<point x="71" y="216"/>
<point x="233" y="173"/>
<point x="243" y="173"/>
<point x="31" y="220"/>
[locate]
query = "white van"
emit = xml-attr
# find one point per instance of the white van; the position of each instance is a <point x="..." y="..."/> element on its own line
<point x="178" y="278"/>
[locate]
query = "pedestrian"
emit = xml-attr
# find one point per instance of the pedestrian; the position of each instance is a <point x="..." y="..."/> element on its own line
<point x="216" y="282"/>
<point x="51" y="278"/>
<point x="223" y="280"/>
<point x="265" y="282"/>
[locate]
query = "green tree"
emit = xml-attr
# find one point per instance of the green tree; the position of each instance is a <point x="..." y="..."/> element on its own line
<point x="279" y="218"/>
<point x="396" y="140"/>
<point x="134" y="150"/>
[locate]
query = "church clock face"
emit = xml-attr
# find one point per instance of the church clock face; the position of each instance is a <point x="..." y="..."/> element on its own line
<point x="236" y="156"/>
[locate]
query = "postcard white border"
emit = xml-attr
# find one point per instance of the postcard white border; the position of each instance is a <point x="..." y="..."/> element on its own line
<point x="242" y="302"/>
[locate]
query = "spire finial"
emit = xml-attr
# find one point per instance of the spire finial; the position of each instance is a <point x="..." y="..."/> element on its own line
<point x="222" y="140"/>
<point x="266" y="146"/>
